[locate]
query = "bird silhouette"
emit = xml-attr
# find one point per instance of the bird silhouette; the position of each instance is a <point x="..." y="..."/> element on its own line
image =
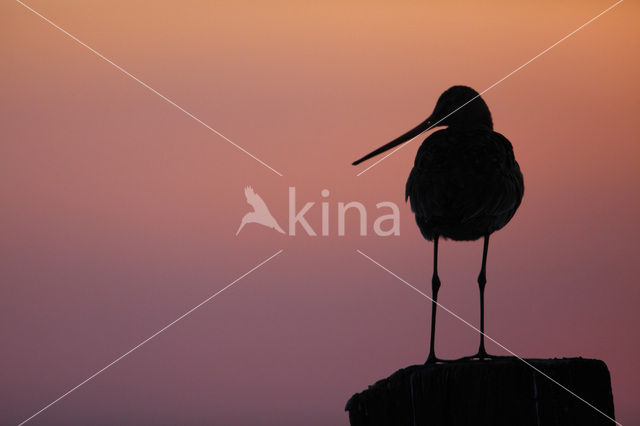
<point x="465" y="183"/>
<point x="260" y="213"/>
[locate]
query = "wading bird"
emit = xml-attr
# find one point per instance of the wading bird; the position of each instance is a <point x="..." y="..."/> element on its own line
<point x="465" y="183"/>
<point x="260" y="213"/>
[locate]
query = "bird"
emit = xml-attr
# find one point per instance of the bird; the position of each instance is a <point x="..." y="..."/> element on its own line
<point x="260" y="213"/>
<point x="465" y="184"/>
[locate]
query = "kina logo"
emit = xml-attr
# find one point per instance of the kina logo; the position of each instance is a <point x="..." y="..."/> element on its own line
<point x="384" y="225"/>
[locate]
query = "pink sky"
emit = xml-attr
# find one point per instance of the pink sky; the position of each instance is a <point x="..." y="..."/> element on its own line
<point x="119" y="211"/>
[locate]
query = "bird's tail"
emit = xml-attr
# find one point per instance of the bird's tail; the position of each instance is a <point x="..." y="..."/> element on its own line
<point x="277" y="228"/>
<point x="241" y="226"/>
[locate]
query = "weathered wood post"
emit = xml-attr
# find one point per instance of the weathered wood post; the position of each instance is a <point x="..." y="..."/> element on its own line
<point x="497" y="392"/>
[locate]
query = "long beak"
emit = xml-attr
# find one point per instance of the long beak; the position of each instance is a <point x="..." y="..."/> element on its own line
<point x="420" y="128"/>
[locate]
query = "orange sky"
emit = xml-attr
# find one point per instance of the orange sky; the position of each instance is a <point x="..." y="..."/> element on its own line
<point x="119" y="211"/>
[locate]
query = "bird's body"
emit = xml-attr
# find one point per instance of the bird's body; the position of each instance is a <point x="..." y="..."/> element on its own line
<point x="465" y="183"/>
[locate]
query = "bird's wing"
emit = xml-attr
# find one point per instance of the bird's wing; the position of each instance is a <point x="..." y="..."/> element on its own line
<point x="501" y="186"/>
<point x="254" y="199"/>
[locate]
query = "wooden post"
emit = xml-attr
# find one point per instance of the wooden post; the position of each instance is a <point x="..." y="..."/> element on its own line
<point x="498" y="392"/>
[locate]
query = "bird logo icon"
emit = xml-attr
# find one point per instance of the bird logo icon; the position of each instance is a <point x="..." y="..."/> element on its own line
<point x="260" y="213"/>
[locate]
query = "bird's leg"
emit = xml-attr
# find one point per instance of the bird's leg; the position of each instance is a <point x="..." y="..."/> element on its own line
<point x="482" y="281"/>
<point x="435" y="286"/>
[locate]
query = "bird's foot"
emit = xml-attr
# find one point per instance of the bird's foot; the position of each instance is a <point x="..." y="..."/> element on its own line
<point x="482" y="356"/>
<point x="432" y="359"/>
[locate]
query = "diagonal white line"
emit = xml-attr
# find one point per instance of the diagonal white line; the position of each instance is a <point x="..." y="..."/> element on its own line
<point x="497" y="82"/>
<point x="127" y="73"/>
<point x="489" y="337"/>
<point x="151" y="337"/>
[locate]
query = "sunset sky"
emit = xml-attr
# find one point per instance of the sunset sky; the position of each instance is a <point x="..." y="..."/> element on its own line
<point x="119" y="211"/>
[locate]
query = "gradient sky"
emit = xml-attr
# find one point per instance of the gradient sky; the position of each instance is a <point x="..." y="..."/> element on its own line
<point x="119" y="212"/>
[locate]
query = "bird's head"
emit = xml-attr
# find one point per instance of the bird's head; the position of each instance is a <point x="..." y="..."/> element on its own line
<point x="458" y="106"/>
<point x="461" y="106"/>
